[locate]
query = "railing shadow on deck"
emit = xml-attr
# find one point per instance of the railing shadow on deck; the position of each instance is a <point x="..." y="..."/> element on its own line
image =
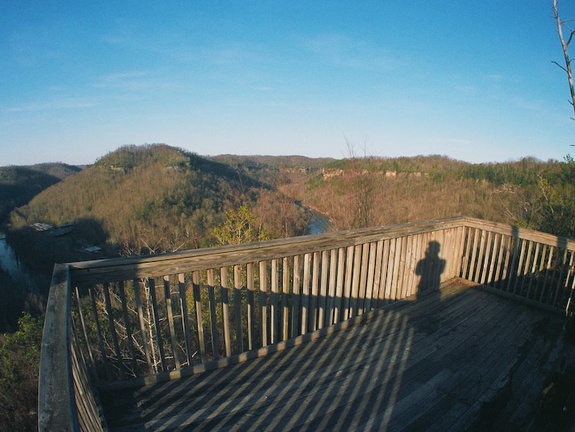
<point x="268" y="382"/>
<point x="158" y="318"/>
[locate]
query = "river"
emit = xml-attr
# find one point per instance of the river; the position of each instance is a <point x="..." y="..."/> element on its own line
<point x="15" y="269"/>
<point x="319" y="223"/>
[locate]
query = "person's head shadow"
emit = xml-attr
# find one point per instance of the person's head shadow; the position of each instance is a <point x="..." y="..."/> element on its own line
<point x="430" y="269"/>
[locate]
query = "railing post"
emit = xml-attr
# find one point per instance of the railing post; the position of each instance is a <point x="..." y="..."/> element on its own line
<point x="56" y="403"/>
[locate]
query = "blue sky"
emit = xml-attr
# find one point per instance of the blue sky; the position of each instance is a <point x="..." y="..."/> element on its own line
<point x="469" y="79"/>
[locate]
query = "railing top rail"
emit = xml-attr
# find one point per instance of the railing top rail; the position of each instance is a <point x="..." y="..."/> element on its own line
<point x="109" y="270"/>
<point x="523" y="233"/>
<point x="56" y="406"/>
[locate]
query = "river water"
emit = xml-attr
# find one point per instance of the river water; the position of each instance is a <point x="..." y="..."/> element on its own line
<point x="17" y="270"/>
<point x="319" y="223"/>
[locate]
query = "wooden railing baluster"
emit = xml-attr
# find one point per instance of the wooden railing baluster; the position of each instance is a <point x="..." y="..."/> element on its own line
<point x="285" y="310"/>
<point x="263" y="279"/>
<point x="170" y="319"/>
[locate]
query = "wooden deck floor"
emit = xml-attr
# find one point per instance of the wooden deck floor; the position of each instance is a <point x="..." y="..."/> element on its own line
<point x="469" y="360"/>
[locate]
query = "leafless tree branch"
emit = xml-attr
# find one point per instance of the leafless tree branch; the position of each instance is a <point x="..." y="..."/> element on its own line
<point x="565" y="47"/>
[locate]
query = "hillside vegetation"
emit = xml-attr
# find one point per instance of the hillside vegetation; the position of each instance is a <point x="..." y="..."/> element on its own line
<point x="360" y="192"/>
<point x="19" y="184"/>
<point x="156" y="198"/>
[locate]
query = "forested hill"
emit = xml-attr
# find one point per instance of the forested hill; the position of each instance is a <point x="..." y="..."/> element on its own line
<point x="19" y="184"/>
<point x="152" y="198"/>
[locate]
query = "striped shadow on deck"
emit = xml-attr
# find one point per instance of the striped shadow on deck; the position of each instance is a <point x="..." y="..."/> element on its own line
<point x="450" y="359"/>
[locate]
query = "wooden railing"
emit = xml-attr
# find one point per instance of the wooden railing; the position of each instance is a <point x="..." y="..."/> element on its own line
<point x="138" y="320"/>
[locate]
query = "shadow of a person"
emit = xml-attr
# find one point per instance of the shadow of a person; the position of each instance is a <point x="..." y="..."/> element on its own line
<point x="430" y="269"/>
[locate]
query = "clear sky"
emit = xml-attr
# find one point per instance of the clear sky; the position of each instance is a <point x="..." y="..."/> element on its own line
<point x="469" y="79"/>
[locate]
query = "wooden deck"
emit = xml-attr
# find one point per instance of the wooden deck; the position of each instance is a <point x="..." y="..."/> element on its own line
<point x="464" y="359"/>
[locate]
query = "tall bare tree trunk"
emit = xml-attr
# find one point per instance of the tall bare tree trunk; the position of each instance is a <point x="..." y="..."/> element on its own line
<point x="565" y="46"/>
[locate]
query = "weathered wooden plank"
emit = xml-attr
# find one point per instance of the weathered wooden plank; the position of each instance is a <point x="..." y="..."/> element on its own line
<point x="199" y="319"/>
<point x="514" y="264"/>
<point x="354" y="296"/>
<point x="323" y="291"/>
<point x="570" y="291"/>
<point x="263" y="274"/>
<point x="185" y="323"/>
<point x="490" y="255"/>
<point x="370" y="280"/>
<point x="450" y="249"/>
<point x="158" y="339"/>
<point x="330" y="312"/>
<point x="400" y="274"/>
<point x="390" y="270"/>
<point x="295" y="297"/>
<point x="480" y="268"/>
<point x="394" y="288"/>
<point x="416" y="258"/>
<point x="533" y="267"/>
<point x="238" y="284"/>
<point x="506" y="274"/>
<point x="521" y="257"/>
<point x="438" y="259"/>
<point x="215" y="334"/>
<point x="499" y="252"/>
<point x="459" y="263"/>
<point x="362" y="279"/>
<point x="374" y="304"/>
<point x="418" y="255"/>
<point x="548" y="252"/>
<point x="274" y="301"/>
<point x="226" y="310"/>
<point x="466" y="260"/>
<point x="306" y="292"/>
<point x="314" y="300"/>
<point x="146" y="342"/>
<point x="56" y="410"/>
<point x="338" y="305"/>
<point x="286" y="296"/>
<point x="348" y="275"/>
<point x="251" y="324"/>
<point x="410" y="266"/>
<point x="474" y="241"/>
<point x="486" y="253"/>
<point x="384" y="275"/>
<point x="170" y="319"/>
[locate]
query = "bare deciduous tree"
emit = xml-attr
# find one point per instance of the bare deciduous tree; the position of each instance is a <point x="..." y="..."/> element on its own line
<point x="563" y="25"/>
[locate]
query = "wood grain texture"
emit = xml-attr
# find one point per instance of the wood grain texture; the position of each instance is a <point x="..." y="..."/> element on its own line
<point x="434" y="363"/>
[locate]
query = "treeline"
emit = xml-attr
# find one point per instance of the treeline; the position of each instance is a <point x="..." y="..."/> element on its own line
<point x="358" y="192"/>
